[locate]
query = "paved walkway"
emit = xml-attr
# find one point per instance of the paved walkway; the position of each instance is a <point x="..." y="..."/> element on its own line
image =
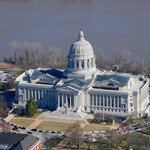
<point x="9" y="117"/>
<point x="36" y="122"/>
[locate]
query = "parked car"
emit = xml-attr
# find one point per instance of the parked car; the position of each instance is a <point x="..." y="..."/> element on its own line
<point x="33" y="129"/>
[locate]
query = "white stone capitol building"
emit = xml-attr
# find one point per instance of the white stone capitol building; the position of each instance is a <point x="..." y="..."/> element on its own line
<point x="81" y="87"/>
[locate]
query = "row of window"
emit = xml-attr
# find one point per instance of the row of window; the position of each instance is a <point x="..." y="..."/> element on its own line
<point x="36" y="93"/>
<point x="107" y="101"/>
<point x="113" y="110"/>
<point x="46" y="80"/>
<point x="88" y="64"/>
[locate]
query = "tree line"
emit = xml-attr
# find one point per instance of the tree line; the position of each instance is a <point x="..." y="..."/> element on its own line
<point x="32" y="55"/>
<point x="76" y="139"/>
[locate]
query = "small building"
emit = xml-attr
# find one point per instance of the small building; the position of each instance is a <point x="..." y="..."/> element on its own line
<point x="15" y="141"/>
<point x="81" y="87"/>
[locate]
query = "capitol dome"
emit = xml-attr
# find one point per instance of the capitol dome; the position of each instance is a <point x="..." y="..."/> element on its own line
<point x="81" y="47"/>
<point x="81" y="59"/>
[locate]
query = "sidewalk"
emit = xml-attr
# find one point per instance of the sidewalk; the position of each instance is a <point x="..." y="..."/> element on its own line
<point x="36" y="122"/>
<point x="9" y="117"/>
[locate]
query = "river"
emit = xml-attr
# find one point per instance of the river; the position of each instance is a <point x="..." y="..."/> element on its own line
<point x="113" y="25"/>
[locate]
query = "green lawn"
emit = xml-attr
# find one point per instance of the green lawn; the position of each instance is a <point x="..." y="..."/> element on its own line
<point x="32" y="117"/>
<point x="84" y="146"/>
<point x="95" y="127"/>
<point x="134" y="121"/>
<point x="35" y="115"/>
<point x="22" y="122"/>
<point x="145" y="131"/>
<point x="53" y="126"/>
<point x="93" y="146"/>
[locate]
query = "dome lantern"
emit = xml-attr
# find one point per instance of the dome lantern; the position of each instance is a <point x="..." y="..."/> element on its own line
<point x="81" y="35"/>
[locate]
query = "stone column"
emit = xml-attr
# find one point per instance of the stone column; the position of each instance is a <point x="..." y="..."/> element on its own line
<point x="62" y="97"/>
<point x="107" y="100"/>
<point x="111" y="101"/>
<point x="89" y="63"/>
<point x="35" y="94"/>
<point x="24" y="93"/>
<point x="80" y="64"/>
<point x="96" y="100"/>
<point x="75" y="64"/>
<point x="100" y="100"/>
<point x="117" y="102"/>
<point x="103" y="101"/>
<point x="85" y="64"/>
<point x="91" y="99"/>
<point x="94" y="63"/>
<point x="58" y="101"/>
<point x="70" y="101"/>
<point x="39" y="94"/>
<point x="74" y="101"/>
<point x="32" y="93"/>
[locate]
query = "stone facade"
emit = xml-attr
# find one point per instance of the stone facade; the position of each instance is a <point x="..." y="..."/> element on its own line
<point x="83" y="87"/>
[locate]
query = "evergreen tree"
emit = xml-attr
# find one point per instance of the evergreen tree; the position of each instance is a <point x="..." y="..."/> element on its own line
<point x="31" y="107"/>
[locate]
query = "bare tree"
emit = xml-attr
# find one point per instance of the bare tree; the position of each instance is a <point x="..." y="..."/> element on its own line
<point x="27" y="51"/>
<point x="147" y="70"/>
<point x="14" y="45"/>
<point x="3" y="107"/>
<point x="75" y="134"/>
<point x="56" y="58"/>
<point x="125" y="61"/>
<point x="117" y="59"/>
<point x="100" y="59"/>
<point x="36" y="49"/>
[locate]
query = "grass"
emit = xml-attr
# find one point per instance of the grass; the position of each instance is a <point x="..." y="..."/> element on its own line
<point x="53" y="126"/>
<point x="95" y="127"/>
<point x="134" y="121"/>
<point x="32" y="117"/>
<point x="84" y="146"/>
<point x="35" y="115"/>
<point x="22" y="122"/>
<point x="145" y="131"/>
<point x="93" y="146"/>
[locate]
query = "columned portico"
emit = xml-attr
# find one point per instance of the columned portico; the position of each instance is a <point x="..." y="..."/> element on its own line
<point x="66" y="100"/>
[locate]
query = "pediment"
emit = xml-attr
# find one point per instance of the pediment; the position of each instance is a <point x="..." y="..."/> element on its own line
<point x="109" y="82"/>
<point x="68" y="88"/>
<point x="48" y="76"/>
